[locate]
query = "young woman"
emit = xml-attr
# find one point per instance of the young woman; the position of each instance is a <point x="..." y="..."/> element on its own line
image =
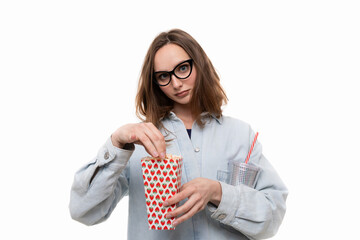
<point x="180" y="98"/>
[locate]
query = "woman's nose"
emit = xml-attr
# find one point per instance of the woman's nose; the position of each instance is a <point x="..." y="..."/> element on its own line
<point x="176" y="83"/>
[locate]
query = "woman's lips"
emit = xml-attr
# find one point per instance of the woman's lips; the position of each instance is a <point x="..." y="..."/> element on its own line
<point x="183" y="93"/>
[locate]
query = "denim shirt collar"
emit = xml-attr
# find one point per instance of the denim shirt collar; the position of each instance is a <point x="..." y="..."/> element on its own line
<point x="204" y="115"/>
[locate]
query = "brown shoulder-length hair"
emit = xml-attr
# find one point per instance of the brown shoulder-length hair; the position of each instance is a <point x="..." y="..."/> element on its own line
<point x="208" y="95"/>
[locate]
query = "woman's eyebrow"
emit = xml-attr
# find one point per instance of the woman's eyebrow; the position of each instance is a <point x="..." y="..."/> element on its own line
<point x="173" y="67"/>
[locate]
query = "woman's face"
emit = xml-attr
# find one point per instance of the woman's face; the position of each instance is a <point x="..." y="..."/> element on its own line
<point x="166" y="59"/>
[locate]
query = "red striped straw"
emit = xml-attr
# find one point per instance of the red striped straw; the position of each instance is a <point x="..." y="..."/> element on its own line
<point x="252" y="146"/>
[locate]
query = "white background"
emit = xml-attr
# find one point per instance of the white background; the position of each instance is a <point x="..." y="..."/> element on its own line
<point x="69" y="72"/>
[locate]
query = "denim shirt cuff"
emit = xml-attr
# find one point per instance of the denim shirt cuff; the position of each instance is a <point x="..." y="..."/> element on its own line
<point x="109" y="153"/>
<point x="227" y="208"/>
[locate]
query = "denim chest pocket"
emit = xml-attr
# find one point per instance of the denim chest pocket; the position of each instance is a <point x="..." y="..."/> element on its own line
<point x="223" y="176"/>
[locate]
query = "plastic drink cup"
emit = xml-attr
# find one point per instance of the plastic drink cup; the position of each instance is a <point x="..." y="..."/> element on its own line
<point x="243" y="173"/>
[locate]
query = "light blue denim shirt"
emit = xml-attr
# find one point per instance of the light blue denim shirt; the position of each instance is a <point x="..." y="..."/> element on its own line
<point x="243" y="213"/>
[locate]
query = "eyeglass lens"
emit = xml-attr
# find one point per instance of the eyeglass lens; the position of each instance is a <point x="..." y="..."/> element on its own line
<point x="181" y="71"/>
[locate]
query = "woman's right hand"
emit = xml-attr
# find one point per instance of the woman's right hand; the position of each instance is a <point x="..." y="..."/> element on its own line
<point x="145" y="134"/>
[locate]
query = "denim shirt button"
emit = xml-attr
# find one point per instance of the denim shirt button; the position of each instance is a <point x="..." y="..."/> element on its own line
<point x="222" y="216"/>
<point x="106" y="155"/>
<point x="197" y="149"/>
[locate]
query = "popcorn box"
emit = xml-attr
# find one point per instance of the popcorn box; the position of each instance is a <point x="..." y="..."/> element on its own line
<point x="162" y="179"/>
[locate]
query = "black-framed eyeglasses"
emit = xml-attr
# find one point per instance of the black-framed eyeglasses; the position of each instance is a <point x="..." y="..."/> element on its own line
<point x="181" y="71"/>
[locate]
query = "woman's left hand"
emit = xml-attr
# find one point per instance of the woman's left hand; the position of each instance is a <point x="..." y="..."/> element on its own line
<point x="199" y="192"/>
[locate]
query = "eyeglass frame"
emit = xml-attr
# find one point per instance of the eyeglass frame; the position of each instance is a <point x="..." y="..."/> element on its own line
<point x="190" y="61"/>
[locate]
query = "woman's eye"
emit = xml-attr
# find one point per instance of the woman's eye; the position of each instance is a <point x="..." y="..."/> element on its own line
<point x="163" y="76"/>
<point x="183" y="68"/>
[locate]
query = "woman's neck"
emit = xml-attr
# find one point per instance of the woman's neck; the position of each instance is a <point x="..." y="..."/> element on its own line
<point x="184" y="113"/>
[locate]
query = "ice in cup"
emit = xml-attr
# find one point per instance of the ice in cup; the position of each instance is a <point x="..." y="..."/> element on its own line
<point x="162" y="180"/>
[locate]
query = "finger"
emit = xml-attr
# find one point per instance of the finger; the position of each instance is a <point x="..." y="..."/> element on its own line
<point x="178" y="197"/>
<point x="188" y="215"/>
<point x="189" y="204"/>
<point x="157" y="138"/>
<point x="185" y="185"/>
<point x="154" y="137"/>
<point x="141" y="137"/>
<point x="193" y="183"/>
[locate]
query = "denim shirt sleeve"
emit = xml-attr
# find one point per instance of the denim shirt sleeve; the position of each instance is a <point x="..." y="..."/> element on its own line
<point x="93" y="198"/>
<point x="255" y="212"/>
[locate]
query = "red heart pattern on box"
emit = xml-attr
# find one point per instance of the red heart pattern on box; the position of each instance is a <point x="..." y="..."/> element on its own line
<point x="162" y="179"/>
